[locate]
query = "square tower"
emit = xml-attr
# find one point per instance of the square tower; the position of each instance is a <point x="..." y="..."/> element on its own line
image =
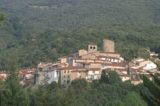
<point x="108" y="45"/>
<point x="92" y="48"/>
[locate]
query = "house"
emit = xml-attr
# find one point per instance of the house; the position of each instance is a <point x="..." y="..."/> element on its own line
<point x="93" y="74"/>
<point x="140" y="66"/>
<point x="70" y="73"/>
<point x="3" y="75"/>
<point x="46" y="73"/>
<point x="26" y="76"/>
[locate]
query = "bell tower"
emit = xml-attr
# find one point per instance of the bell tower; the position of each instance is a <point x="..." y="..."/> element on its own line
<point x="92" y="48"/>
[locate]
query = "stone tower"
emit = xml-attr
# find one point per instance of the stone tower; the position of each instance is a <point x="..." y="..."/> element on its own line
<point x="108" y="46"/>
<point x="92" y="48"/>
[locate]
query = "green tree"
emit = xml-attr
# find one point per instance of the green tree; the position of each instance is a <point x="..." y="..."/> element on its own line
<point x="1" y="17"/>
<point x="41" y="97"/>
<point x="104" y="77"/>
<point x="158" y="65"/>
<point x="79" y="86"/>
<point x="50" y="95"/>
<point x="133" y="99"/>
<point x="110" y="77"/>
<point x="154" y="89"/>
<point x="13" y="94"/>
<point x="142" y="52"/>
<point x="156" y="80"/>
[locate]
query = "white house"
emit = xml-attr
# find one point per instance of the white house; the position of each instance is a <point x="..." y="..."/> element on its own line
<point x="46" y="73"/>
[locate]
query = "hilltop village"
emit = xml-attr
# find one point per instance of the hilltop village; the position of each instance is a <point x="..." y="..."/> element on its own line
<point x="88" y="64"/>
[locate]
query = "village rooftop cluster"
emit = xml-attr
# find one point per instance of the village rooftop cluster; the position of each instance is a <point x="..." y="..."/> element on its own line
<point x="88" y="64"/>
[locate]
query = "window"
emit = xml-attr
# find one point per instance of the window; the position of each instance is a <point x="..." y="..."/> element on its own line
<point x="40" y="69"/>
<point x="57" y="72"/>
<point x="91" y="47"/>
<point x="68" y="81"/>
<point x="94" y="47"/>
<point x="83" y="65"/>
<point x="49" y="68"/>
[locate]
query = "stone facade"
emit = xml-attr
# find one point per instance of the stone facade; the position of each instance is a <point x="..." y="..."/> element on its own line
<point x="108" y="46"/>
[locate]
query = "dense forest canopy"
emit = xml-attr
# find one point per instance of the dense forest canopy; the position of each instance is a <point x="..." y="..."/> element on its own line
<point x="43" y="30"/>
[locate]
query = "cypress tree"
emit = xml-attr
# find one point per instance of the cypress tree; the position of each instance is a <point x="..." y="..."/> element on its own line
<point x="154" y="90"/>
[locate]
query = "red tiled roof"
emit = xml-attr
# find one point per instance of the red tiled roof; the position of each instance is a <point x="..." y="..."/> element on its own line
<point x="2" y="78"/>
<point x="107" y="57"/>
<point x="42" y="65"/>
<point x="109" y="52"/>
<point x="69" y="68"/>
<point x="27" y="71"/>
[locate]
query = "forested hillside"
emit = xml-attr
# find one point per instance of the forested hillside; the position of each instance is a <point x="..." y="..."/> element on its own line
<point x="42" y="30"/>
